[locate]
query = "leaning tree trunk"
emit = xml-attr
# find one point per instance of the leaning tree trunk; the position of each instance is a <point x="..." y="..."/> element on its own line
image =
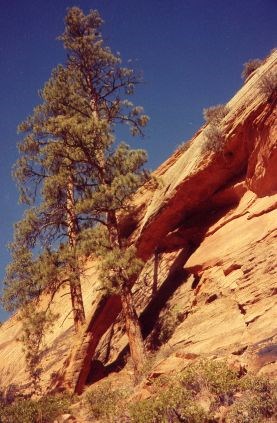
<point x="133" y="331"/>
<point x="76" y="300"/>
<point x="132" y="323"/>
<point x="75" y="283"/>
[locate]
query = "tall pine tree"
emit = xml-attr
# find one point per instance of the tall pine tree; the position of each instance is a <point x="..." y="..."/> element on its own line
<point x="76" y="179"/>
<point x="117" y="170"/>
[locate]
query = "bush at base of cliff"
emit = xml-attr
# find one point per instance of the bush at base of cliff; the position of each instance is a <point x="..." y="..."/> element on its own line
<point x="104" y="403"/>
<point x="44" y="410"/>
<point x="207" y="392"/>
<point x="214" y="376"/>
<point x="174" y="404"/>
<point x="257" y="404"/>
<point x="253" y="408"/>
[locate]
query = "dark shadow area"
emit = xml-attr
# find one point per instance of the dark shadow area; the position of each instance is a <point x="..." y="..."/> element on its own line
<point x="155" y="272"/>
<point x="108" y="349"/>
<point x="97" y="372"/>
<point x="205" y="212"/>
<point x="190" y="239"/>
<point x="177" y="275"/>
<point x="187" y="238"/>
<point x="129" y="222"/>
<point x="196" y="281"/>
<point x="149" y="316"/>
<point x="269" y="350"/>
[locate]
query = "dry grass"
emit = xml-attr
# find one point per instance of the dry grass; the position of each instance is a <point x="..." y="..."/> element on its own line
<point x="249" y="67"/>
<point x="268" y="84"/>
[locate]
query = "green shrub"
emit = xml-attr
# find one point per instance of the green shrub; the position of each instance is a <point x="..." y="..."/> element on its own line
<point x="249" y="67"/>
<point x="44" y="410"/>
<point x="165" y="327"/>
<point x="177" y="398"/>
<point x="173" y="404"/>
<point x="252" y="409"/>
<point x="104" y="403"/>
<point x="247" y="398"/>
<point x="213" y="376"/>
<point x="22" y="411"/>
<point x="258" y="402"/>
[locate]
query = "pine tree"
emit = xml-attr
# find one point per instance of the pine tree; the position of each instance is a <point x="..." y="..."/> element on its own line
<point x="117" y="170"/>
<point x="46" y="176"/>
<point x="76" y="179"/>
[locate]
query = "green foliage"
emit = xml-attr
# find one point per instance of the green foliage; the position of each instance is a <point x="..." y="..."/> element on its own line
<point x="165" y="327"/>
<point x="118" y="265"/>
<point x="103" y="403"/>
<point x="34" y="325"/>
<point x="249" y="67"/>
<point x="28" y="276"/>
<point x="257" y="404"/>
<point x="70" y="173"/>
<point x="119" y="268"/>
<point x="20" y="286"/>
<point x="212" y="375"/>
<point x="122" y="176"/>
<point x="178" y="398"/>
<point x="44" y="410"/>
<point x="252" y="409"/>
<point x="171" y="404"/>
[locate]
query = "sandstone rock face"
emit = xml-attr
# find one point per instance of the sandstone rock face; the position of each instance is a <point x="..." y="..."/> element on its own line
<point x="233" y="303"/>
<point x="207" y="232"/>
<point x="57" y="343"/>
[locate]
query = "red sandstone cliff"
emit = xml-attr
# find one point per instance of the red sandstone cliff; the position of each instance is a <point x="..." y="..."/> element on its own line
<point x="207" y="233"/>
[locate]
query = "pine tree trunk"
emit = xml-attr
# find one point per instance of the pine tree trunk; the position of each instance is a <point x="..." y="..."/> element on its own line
<point x="132" y="323"/>
<point x="133" y="331"/>
<point x="75" y="282"/>
<point x="114" y="236"/>
<point x="77" y="302"/>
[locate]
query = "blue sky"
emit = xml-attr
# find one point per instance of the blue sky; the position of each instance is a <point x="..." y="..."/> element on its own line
<point x="191" y="53"/>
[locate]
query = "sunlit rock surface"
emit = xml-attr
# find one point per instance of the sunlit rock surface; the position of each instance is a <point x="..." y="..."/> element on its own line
<point x="206" y="229"/>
